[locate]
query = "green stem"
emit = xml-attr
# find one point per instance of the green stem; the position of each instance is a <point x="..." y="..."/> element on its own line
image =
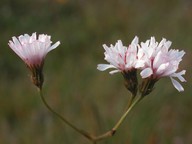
<point x="93" y="138"/>
<point x="114" y="129"/>
<point x="85" y="134"/>
<point x="125" y="114"/>
<point x="130" y="101"/>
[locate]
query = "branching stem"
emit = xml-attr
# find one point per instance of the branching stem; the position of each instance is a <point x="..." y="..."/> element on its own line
<point x="93" y="138"/>
<point x="114" y="129"/>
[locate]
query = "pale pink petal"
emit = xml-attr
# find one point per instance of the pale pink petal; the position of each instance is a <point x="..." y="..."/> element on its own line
<point x="146" y="73"/>
<point x="177" y="85"/>
<point x="169" y="71"/>
<point x="140" y="64"/>
<point x="105" y="47"/>
<point x="162" y="42"/>
<point x="33" y="37"/>
<point x="114" y="71"/>
<point x="162" y="68"/>
<point x="54" y="46"/>
<point x="135" y="40"/>
<point x="179" y="75"/>
<point x="158" y="59"/>
<point x="103" y="67"/>
<point x="168" y="44"/>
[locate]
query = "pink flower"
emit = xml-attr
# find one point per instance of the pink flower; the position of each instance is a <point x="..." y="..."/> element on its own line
<point x="123" y="59"/>
<point x="32" y="51"/>
<point x="158" y="61"/>
<point x="120" y="57"/>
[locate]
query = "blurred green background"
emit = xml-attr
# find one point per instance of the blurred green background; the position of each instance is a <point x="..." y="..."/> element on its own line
<point x="90" y="99"/>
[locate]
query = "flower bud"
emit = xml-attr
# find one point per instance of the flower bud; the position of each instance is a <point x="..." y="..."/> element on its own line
<point x="131" y="82"/>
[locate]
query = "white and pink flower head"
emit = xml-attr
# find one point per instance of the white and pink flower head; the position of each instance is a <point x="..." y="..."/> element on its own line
<point x="123" y="59"/>
<point x="120" y="57"/>
<point x="158" y="61"/>
<point x="154" y="59"/>
<point x="32" y="50"/>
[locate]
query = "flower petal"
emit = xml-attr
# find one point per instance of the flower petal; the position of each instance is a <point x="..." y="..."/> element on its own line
<point x="177" y="85"/>
<point x="140" y="64"/>
<point x="146" y="73"/>
<point x="54" y="46"/>
<point x="114" y="71"/>
<point x="179" y="75"/>
<point x="135" y="40"/>
<point x="162" y="68"/>
<point x="103" y="67"/>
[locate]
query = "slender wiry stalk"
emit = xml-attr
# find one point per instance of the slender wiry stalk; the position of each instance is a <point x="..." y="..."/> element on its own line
<point x="85" y="134"/>
<point x="131" y="100"/>
<point x="114" y="129"/>
<point x="93" y="138"/>
<point x="125" y="114"/>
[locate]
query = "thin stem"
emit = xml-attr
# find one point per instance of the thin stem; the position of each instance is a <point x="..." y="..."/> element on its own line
<point x="114" y="129"/>
<point x="85" y="134"/>
<point x="93" y="138"/>
<point x="131" y="101"/>
<point x="125" y="114"/>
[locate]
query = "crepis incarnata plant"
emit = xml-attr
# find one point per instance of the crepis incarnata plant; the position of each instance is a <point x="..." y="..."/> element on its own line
<point x="151" y="59"/>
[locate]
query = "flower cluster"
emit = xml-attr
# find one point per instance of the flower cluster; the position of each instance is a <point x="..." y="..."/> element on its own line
<point x="32" y="51"/>
<point x="153" y="59"/>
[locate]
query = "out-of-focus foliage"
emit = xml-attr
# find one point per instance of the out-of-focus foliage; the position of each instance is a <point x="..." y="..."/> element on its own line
<point x="92" y="100"/>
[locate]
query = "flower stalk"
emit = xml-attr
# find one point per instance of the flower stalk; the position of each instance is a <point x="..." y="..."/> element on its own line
<point x="87" y="135"/>
<point x="126" y="113"/>
<point x="112" y="132"/>
<point x="82" y="132"/>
